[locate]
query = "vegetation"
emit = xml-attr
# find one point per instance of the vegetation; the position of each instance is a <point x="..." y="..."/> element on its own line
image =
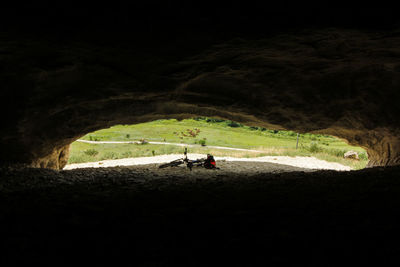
<point x="202" y="142"/>
<point x="91" y="152"/>
<point x="210" y="132"/>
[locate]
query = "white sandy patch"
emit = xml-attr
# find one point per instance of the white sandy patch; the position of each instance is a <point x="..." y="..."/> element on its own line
<point x="302" y="162"/>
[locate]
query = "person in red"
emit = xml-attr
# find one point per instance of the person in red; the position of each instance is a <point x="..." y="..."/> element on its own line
<point x="210" y="162"/>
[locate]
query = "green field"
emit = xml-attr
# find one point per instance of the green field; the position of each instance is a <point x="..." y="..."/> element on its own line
<point x="211" y="132"/>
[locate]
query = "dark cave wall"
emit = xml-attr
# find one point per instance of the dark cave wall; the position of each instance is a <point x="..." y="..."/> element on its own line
<point x="334" y="81"/>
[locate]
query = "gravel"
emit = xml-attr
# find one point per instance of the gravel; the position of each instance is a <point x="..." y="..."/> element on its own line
<point x="288" y="162"/>
<point x="147" y="171"/>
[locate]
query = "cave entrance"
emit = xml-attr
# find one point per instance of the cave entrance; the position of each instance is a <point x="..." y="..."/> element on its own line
<point x="164" y="140"/>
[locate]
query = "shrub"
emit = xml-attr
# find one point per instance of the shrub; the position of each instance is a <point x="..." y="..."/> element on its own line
<point x="202" y="142"/>
<point x="234" y="124"/>
<point x="212" y="120"/>
<point x="91" y="138"/>
<point x="91" y="152"/>
<point x="198" y="119"/>
<point x="128" y="136"/>
<point x="314" y="148"/>
<point x="363" y="156"/>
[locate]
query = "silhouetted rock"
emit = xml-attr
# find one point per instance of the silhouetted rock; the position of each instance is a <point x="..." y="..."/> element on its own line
<point x="57" y="91"/>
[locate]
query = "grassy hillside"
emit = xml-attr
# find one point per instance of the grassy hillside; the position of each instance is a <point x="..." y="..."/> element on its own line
<point x="211" y="132"/>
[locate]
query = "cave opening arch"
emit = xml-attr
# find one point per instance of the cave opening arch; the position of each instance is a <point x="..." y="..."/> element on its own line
<point x="59" y="156"/>
<point x="151" y="142"/>
<point x="339" y="82"/>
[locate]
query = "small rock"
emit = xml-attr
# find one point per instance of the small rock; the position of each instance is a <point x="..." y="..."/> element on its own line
<point x="351" y="155"/>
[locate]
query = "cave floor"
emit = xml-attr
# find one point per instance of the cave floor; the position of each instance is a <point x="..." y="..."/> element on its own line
<point x="104" y="217"/>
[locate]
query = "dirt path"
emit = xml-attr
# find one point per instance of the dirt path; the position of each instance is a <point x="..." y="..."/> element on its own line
<point x="291" y="163"/>
<point x="166" y="143"/>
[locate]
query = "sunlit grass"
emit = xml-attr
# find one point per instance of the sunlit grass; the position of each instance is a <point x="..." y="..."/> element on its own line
<point x="215" y="133"/>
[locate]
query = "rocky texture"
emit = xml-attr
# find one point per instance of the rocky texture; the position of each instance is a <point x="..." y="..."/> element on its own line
<point x="56" y="160"/>
<point x="118" y="215"/>
<point x="333" y="81"/>
<point x="351" y="155"/>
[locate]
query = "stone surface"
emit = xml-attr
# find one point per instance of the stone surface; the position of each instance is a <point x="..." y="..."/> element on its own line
<point x="57" y="91"/>
<point x="153" y="218"/>
<point x="351" y="155"/>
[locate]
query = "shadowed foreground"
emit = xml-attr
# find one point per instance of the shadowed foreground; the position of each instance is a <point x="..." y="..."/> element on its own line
<point x="109" y="216"/>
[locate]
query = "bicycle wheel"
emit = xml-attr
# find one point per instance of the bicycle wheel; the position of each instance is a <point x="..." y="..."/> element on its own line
<point x="198" y="162"/>
<point x="171" y="164"/>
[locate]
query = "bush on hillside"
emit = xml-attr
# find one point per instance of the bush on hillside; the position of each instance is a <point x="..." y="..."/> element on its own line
<point x="91" y="138"/>
<point x="212" y="120"/>
<point x="91" y="152"/>
<point x="234" y="124"/>
<point x="363" y="156"/>
<point x="314" y="148"/>
<point x="202" y="142"/>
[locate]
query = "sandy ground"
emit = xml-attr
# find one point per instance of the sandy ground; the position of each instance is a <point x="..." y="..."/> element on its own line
<point x="225" y="163"/>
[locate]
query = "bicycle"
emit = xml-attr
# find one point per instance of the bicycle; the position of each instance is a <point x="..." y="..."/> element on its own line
<point x="189" y="163"/>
